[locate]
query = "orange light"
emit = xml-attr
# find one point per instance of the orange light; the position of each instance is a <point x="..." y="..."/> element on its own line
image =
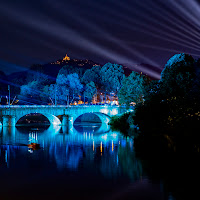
<point x="101" y="148"/>
<point x="66" y="57"/>
<point x="112" y="146"/>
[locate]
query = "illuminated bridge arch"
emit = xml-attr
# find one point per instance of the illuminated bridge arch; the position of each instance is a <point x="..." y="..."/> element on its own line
<point x="104" y="119"/>
<point x="54" y="120"/>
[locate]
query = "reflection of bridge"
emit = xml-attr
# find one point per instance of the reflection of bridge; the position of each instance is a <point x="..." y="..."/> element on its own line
<point x="9" y="115"/>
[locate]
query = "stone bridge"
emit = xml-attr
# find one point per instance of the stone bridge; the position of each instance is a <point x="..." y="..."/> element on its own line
<point x="9" y="115"/>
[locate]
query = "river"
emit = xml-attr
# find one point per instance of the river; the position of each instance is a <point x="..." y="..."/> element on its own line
<point x="82" y="163"/>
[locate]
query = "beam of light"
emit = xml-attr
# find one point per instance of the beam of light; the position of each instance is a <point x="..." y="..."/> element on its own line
<point x="5" y="65"/>
<point x="146" y="27"/>
<point x="158" y="15"/>
<point x="184" y="11"/>
<point x="174" y="41"/>
<point x="148" y="9"/>
<point x="111" y="38"/>
<point x="174" y="20"/>
<point x="103" y="51"/>
<point x="24" y="69"/>
<point x="86" y="23"/>
<point x="117" y="42"/>
<point x="162" y="48"/>
<point x="67" y="34"/>
<point x="150" y="20"/>
<point x="192" y="27"/>
<point x="150" y="73"/>
<point x="194" y="7"/>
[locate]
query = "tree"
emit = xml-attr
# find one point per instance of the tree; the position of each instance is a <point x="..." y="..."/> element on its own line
<point x="111" y="77"/>
<point x="45" y="96"/>
<point x="133" y="89"/>
<point x="93" y="75"/>
<point x="36" y="73"/>
<point x="178" y="75"/>
<point x="75" y="86"/>
<point x="66" y="88"/>
<point x="171" y="104"/>
<point x="36" y="80"/>
<point x="90" y="90"/>
<point x="31" y="92"/>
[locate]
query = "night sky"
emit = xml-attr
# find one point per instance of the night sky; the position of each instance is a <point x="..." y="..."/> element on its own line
<point x="125" y="32"/>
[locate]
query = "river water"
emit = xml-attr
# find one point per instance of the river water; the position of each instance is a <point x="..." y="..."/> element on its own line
<point x="81" y="163"/>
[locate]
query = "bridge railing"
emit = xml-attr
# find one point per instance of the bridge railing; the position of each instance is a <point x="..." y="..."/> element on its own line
<point x="53" y="106"/>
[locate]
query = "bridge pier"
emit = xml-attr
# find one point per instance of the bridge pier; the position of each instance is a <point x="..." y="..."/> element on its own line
<point x="9" y="120"/>
<point x="70" y="122"/>
<point x="12" y="120"/>
<point x="65" y="120"/>
<point x="67" y="123"/>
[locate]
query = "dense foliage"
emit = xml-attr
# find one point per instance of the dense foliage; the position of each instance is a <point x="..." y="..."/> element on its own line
<point x="120" y="123"/>
<point x="111" y="77"/>
<point x="76" y="82"/>
<point x="172" y="109"/>
<point x="167" y="111"/>
<point x="133" y="89"/>
<point x="90" y="90"/>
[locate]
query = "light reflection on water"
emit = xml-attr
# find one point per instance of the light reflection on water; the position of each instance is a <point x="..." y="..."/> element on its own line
<point x="81" y="150"/>
<point x="72" y="150"/>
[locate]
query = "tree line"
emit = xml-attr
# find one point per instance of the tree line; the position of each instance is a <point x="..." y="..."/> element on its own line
<point x="74" y="84"/>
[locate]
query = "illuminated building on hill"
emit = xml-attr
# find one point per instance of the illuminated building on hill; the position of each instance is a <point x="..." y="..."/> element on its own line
<point x="66" y="58"/>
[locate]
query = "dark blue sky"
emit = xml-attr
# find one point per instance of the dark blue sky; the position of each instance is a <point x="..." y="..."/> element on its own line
<point x="126" y="32"/>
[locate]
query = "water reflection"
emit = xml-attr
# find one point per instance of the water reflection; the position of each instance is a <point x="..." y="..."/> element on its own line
<point x="82" y="148"/>
<point x="105" y="159"/>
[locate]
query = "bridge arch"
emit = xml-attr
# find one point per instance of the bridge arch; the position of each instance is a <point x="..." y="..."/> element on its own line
<point x="54" y="120"/>
<point x="104" y="118"/>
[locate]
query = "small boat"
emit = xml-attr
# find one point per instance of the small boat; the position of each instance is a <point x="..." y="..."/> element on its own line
<point x="34" y="146"/>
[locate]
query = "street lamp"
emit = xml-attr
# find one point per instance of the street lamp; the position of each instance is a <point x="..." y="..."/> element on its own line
<point x="9" y="95"/>
<point x="101" y="98"/>
<point x="7" y="99"/>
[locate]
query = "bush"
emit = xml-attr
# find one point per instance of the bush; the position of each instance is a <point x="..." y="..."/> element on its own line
<point x="120" y="123"/>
